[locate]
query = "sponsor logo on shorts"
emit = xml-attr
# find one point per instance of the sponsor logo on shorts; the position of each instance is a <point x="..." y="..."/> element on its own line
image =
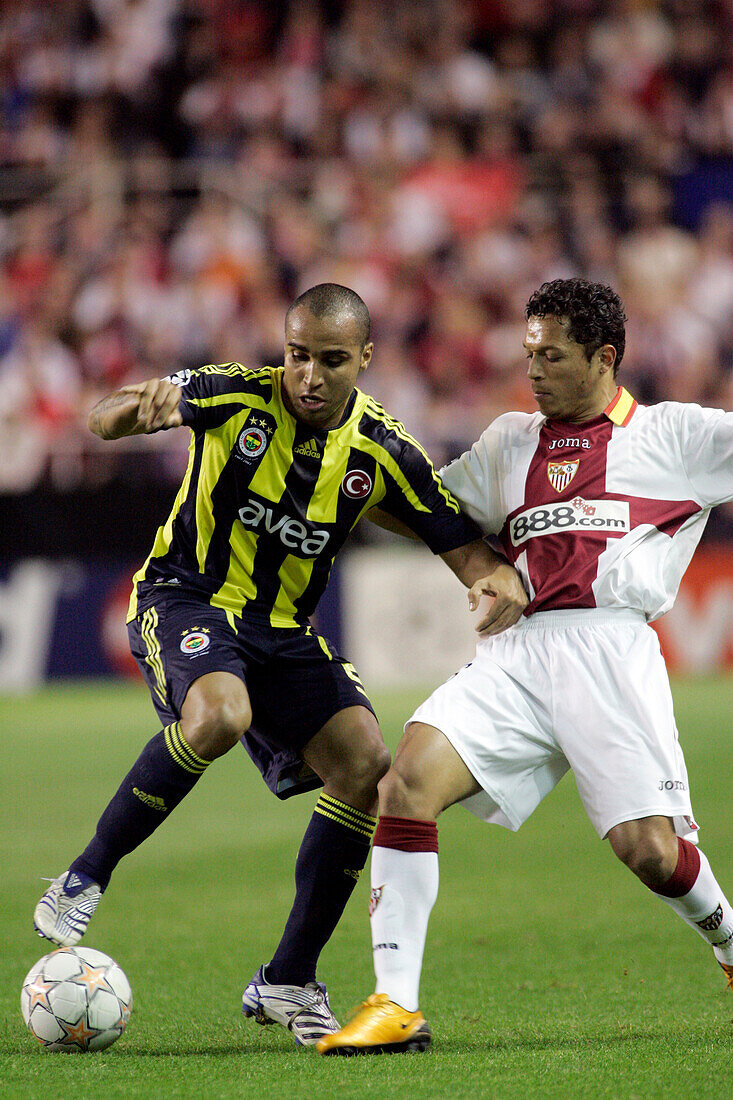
<point x="374" y="898"/>
<point x="251" y="443"/>
<point x="672" y="785"/>
<point x="352" y="873"/>
<point x="712" y="922"/>
<point x="195" y="641"/>
<point x="560" y="474"/>
<point x="588" y="516"/>
<point x="356" y="484"/>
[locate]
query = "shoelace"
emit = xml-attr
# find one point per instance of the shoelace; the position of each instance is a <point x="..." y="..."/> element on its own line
<point x="319" y="999"/>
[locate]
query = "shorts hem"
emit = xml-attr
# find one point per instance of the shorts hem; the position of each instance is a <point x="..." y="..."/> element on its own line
<point x="301" y="743"/>
<point x="651" y="811"/>
<point x="515" y="821"/>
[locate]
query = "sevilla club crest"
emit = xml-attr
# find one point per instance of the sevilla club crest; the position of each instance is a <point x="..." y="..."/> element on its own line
<point x="560" y="474"/>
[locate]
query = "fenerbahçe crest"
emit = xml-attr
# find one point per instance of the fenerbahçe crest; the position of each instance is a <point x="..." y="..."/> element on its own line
<point x="560" y="474"/>
<point x="252" y="442"/>
<point x="195" y="641"/>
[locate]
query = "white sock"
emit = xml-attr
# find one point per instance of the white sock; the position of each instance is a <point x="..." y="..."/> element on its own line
<point x="706" y="909"/>
<point x="404" y="889"/>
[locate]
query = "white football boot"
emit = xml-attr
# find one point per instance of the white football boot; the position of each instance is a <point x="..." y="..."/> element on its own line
<point x="303" y="1010"/>
<point x="64" y="911"/>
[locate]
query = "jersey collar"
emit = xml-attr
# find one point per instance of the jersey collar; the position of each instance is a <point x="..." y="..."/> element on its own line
<point x="622" y="408"/>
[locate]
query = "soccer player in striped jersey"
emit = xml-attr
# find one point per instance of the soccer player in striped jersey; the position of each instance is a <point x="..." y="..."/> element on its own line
<point x="599" y="502"/>
<point x="283" y="463"/>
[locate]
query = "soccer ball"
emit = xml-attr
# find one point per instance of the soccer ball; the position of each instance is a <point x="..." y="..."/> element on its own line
<point x="76" y="999"/>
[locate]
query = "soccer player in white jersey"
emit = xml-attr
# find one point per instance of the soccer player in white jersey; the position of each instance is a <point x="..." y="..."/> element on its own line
<point x="599" y="503"/>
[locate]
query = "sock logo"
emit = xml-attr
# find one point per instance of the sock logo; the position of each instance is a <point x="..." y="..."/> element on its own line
<point x="386" y="947"/>
<point x="151" y="800"/>
<point x="712" y="922"/>
<point x="374" y="899"/>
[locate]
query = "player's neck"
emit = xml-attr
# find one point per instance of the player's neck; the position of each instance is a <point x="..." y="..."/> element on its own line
<point x="595" y="407"/>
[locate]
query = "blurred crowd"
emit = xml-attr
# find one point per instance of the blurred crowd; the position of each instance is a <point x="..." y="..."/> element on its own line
<point x="173" y="172"/>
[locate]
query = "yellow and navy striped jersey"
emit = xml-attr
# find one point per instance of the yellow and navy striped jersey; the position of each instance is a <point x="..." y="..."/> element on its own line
<point x="266" y="502"/>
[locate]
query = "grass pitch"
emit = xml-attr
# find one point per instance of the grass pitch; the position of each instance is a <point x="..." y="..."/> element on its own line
<point x="550" y="972"/>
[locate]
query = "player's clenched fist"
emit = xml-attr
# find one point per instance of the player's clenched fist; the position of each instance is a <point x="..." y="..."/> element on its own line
<point x="158" y="409"/>
<point x="138" y="409"/>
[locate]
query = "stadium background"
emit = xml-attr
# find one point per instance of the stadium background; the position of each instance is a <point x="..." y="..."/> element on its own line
<point x="173" y="172"/>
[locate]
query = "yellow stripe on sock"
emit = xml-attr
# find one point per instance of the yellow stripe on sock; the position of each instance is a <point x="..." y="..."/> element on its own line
<point x="182" y="752"/>
<point x="335" y="804"/>
<point x="346" y="824"/>
<point x="196" y="762"/>
<point x="352" y="819"/>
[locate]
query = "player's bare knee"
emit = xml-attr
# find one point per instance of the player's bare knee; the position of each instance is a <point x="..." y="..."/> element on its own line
<point x="651" y="861"/>
<point x="360" y="774"/>
<point x="380" y="763"/>
<point x="213" y="732"/>
<point x="648" y="848"/>
<point x="401" y="794"/>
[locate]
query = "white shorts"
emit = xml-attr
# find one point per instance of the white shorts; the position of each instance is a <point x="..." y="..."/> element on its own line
<point x="586" y="690"/>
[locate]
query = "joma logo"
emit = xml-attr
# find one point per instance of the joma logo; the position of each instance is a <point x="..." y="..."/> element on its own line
<point x="575" y="442"/>
<point x="291" y="532"/>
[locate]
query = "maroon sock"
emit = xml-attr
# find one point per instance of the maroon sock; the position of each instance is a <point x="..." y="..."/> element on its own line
<point x="685" y="873"/>
<point x="406" y="834"/>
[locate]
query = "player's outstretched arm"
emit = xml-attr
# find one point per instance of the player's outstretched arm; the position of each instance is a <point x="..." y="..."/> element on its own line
<point x="486" y="573"/>
<point x="390" y="523"/>
<point x="139" y="409"/>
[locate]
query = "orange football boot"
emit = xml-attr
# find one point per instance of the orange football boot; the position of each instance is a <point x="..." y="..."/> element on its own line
<point x="728" y="971"/>
<point x="379" y="1027"/>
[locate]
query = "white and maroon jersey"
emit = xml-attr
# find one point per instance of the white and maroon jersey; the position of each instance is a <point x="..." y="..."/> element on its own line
<point x="602" y="514"/>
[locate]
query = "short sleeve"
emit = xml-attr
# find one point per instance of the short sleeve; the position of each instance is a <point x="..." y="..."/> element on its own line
<point x="474" y="479"/>
<point x="706" y="442"/>
<point x="416" y="495"/>
<point x="213" y="394"/>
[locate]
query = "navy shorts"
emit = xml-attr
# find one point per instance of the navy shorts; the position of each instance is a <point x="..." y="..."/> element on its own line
<point x="295" y="679"/>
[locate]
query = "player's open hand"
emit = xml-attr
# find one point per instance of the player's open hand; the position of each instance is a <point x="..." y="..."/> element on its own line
<point x="509" y="599"/>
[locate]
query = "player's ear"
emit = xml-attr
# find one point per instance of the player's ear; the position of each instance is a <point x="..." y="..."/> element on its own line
<point x="366" y="355"/>
<point x="606" y="358"/>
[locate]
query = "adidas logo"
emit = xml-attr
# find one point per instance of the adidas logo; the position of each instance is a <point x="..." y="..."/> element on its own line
<point x="151" y="800"/>
<point x="309" y="449"/>
<point x="72" y="882"/>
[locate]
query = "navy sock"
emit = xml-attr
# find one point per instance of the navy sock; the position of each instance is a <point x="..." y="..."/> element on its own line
<point x="160" y="778"/>
<point x="331" y="858"/>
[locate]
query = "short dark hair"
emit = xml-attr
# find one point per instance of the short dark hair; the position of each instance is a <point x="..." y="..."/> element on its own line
<point x="331" y="299"/>
<point x="595" y="313"/>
